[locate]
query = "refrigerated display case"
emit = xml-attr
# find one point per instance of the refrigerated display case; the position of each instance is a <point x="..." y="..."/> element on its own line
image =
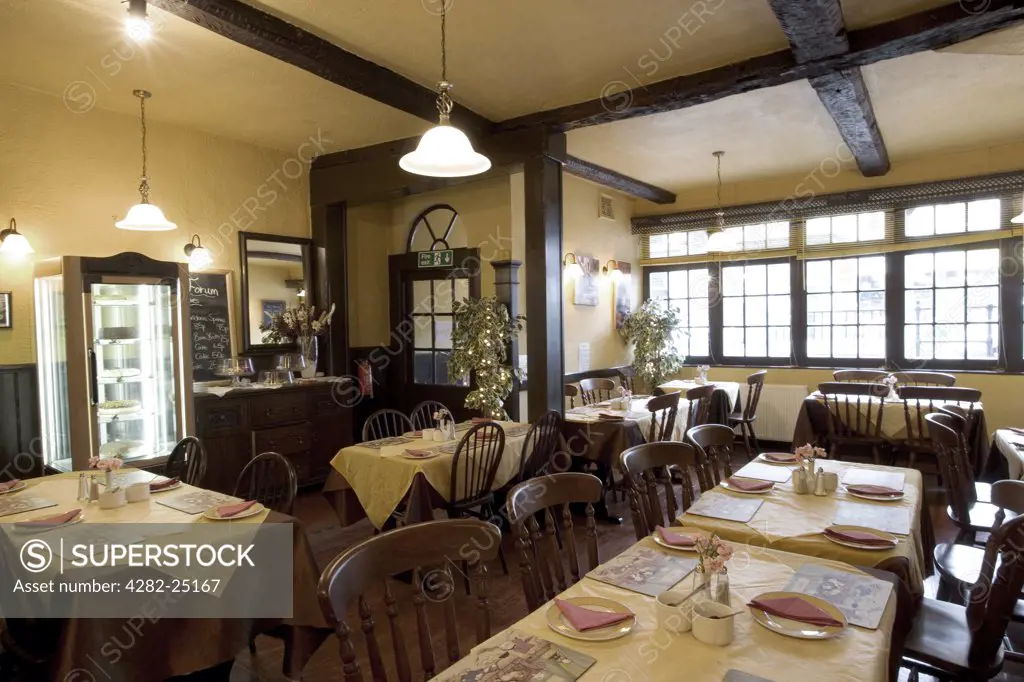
<point x="114" y="359"/>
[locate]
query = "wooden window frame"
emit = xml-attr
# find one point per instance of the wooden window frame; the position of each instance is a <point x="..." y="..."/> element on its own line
<point x="648" y="271"/>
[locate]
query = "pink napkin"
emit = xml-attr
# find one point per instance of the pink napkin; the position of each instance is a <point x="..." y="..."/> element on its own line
<point x="749" y="483"/>
<point x="676" y="539"/>
<point x="228" y="510"/>
<point x="584" y="619"/>
<point x="859" y="537"/>
<point x="4" y="487"/>
<point x="166" y="483"/>
<point x="869" y="489"/>
<point x="419" y="453"/>
<point x="779" y="456"/>
<point x="610" y="417"/>
<point x="54" y="521"/>
<point x="795" y="608"/>
<point x="418" y="434"/>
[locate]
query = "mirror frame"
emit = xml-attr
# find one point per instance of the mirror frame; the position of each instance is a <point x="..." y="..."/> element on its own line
<point x="249" y="348"/>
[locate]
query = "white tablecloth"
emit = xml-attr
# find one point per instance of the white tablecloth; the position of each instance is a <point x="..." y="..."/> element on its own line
<point x="1006" y="441"/>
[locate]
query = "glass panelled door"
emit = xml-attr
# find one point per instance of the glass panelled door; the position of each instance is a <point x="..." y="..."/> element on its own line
<point x="432" y="302"/>
<point x="131" y="331"/>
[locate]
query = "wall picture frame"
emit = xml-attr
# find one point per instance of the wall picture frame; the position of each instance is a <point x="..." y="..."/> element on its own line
<point x="623" y="294"/>
<point x="269" y="308"/>
<point x="6" y="310"/>
<point x="585" y="289"/>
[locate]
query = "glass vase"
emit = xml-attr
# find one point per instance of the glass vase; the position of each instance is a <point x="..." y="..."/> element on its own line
<point x="309" y="350"/>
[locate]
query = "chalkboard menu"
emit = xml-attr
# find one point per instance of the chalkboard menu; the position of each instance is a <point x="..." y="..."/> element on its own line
<point x="209" y="296"/>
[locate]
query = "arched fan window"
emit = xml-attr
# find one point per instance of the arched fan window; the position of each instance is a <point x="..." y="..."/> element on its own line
<point x="436" y="228"/>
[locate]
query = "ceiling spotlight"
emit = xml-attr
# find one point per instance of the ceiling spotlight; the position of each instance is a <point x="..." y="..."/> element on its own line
<point x="199" y="257"/>
<point x="137" y="24"/>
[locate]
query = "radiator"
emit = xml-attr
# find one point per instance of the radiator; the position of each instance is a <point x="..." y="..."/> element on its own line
<point x="778" y="410"/>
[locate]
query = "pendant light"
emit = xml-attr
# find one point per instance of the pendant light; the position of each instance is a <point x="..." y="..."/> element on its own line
<point x="720" y="241"/>
<point x="444" y="151"/>
<point x="144" y="216"/>
<point x="13" y="243"/>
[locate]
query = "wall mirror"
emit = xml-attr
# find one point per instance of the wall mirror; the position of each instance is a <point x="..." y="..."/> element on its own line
<point x="276" y="274"/>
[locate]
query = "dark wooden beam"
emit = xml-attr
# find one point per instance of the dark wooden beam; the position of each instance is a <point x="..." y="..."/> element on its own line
<point x="615" y="180"/>
<point x="330" y="284"/>
<point x="930" y="30"/>
<point x="815" y="30"/>
<point x="277" y="38"/>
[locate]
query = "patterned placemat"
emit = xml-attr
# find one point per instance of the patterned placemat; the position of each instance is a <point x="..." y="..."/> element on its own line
<point x="515" y="655"/>
<point x="17" y="504"/>
<point x="726" y="507"/>
<point x="644" y="570"/>
<point x="861" y="598"/>
<point x="384" y="442"/>
<point x="882" y="517"/>
<point x="765" y="472"/>
<point x="197" y="501"/>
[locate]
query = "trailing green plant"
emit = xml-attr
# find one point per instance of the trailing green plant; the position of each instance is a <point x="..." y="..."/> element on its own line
<point x="483" y="330"/>
<point x="650" y="329"/>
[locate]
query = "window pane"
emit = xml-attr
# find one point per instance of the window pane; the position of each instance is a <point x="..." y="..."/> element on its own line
<point x="949" y="305"/>
<point x="818" y="231"/>
<point x="844" y="229"/>
<point x="819" y="309"/>
<point x="818" y="275"/>
<point x="871" y="226"/>
<point x="732" y="281"/>
<point x="698" y="240"/>
<point x="443" y="331"/>
<point x="732" y="341"/>
<point x="919" y="269"/>
<point x="779" y="310"/>
<point x="844" y="308"/>
<point x="757" y="342"/>
<point x="920" y="222"/>
<point x="699" y="311"/>
<point x="778" y="278"/>
<point x="872" y="307"/>
<point x="422" y="326"/>
<point x="779" y="342"/>
<point x="756" y="311"/>
<point x="983" y="341"/>
<point x="657" y="246"/>
<point x="756" y="280"/>
<point x="423" y="367"/>
<point x="983" y="215"/>
<point x="983" y="266"/>
<point x="699" y="284"/>
<point x="442" y="295"/>
<point x="699" y="343"/>
<point x="949" y="341"/>
<point x="848" y="308"/>
<point x="872" y="273"/>
<point x="687" y="293"/>
<point x="441" y="369"/>
<point x="950" y="269"/>
<point x="983" y="304"/>
<point x="421" y="299"/>
<point x="777" y="235"/>
<point x="872" y="341"/>
<point x="677" y="284"/>
<point x="658" y="285"/>
<point x="677" y="244"/>
<point x="844" y="274"/>
<point x="844" y="341"/>
<point x="918" y="306"/>
<point x="732" y="310"/>
<point x="461" y="289"/>
<point x="950" y="218"/>
<point x="819" y="342"/>
<point x="754" y="237"/>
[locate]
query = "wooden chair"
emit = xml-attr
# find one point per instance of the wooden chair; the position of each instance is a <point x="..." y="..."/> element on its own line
<point x="966" y="643"/>
<point x="860" y="376"/>
<point x="540" y="564"/>
<point x="571" y="392"/>
<point x="269" y="479"/>
<point x="854" y="416"/>
<point x="699" y="412"/>
<point x="187" y="461"/>
<point x="425" y="549"/>
<point x="649" y="464"/>
<point x="982" y="491"/>
<point x="922" y="378"/>
<point x="746" y="418"/>
<point x="663" y="409"/>
<point x="386" y="423"/>
<point x="627" y="378"/>
<point x="596" y="390"/>
<point x="921" y="400"/>
<point x="542" y="447"/>
<point x="714" y="445"/>
<point x="968" y="515"/>
<point x="422" y="416"/>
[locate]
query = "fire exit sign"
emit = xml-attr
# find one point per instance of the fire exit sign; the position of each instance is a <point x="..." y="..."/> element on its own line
<point x="436" y="259"/>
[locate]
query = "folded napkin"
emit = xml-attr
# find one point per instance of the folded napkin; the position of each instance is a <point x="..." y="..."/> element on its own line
<point x="52" y="521"/>
<point x="749" y="483"/>
<point x="418" y="434"/>
<point x="779" y="456"/>
<point x="166" y="483"/>
<point x="869" y="489"/>
<point x="584" y="619"/>
<point x="4" y="487"/>
<point x="795" y="608"/>
<point x="419" y="453"/>
<point x="610" y="417"/>
<point x="228" y="510"/>
<point x="859" y="537"/>
<point x="674" y="538"/>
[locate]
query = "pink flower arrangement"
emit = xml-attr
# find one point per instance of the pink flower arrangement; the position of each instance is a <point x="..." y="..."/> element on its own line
<point x="808" y="451"/>
<point x="713" y="554"/>
<point x="112" y="464"/>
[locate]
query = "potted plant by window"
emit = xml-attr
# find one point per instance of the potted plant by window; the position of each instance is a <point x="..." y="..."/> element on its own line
<point x="651" y="330"/>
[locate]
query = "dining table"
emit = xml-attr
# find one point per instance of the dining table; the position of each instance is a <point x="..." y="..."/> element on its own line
<point x="373" y="479"/>
<point x="724" y="400"/>
<point x="151" y="648"/>
<point x="1009" y="443"/>
<point x="648" y="651"/>
<point x="792" y="522"/>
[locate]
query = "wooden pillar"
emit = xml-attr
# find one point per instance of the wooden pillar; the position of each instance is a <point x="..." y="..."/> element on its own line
<point x="506" y="290"/>
<point x="330" y="278"/>
<point x="545" y="361"/>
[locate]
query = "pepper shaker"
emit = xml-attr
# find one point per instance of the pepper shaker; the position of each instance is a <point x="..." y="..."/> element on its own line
<point x="819" y="483"/>
<point x="94" y="490"/>
<point x="83" y="487"/>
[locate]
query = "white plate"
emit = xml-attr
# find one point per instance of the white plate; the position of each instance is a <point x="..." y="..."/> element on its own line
<point x="796" y="628"/>
<point x="21" y="486"/>
<point x="211" y="513"/>
<point x="874" y="498"/>
<point x="558" y="622"/>
<point x="725" y="484"/>
<point x="762" y="458"/>
<point x="414" y="458"/>
<point x="164" y="490"/>
<point x="856" y="545"/>
<point x="657" y="538"/>
<point x="43" y="529"/>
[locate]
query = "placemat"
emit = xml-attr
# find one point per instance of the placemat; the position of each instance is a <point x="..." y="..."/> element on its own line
<point x="197" y="501"/>
<point x="384" y="442"/>
<point x="18" y="504"/>
<point x="726" y="507"/>
<point x="888" y="479"/>
<point x="861" y="598"/>
<point x="765" y="472"/>
<point x="878" y="516"/>
<point x="519" y="656"/>
<point x="644" y="570"/>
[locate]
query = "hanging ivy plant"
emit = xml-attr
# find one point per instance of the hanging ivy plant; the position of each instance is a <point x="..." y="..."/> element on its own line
<point x="651" y="330"/>
<point x="483" y="330"/>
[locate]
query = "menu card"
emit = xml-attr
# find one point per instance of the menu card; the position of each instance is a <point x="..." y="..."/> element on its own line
<point x="197" y="501"/>
<point x="17" y="504"/>
<point x="861" y="598"/>
<point x="888" y="479"/>
<point x="765" y="472"/>
<point x="645" y="570"/>
<point x="880" y="517"/>
<point x="519" y="656"/>
<point x="726" y="507"/>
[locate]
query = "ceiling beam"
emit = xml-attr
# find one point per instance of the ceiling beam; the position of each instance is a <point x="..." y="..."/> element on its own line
<point x="277" y="38"/>
<point x="617" y="181"/>
<point x="815" y="30"/>
<point x="930" y="30"/>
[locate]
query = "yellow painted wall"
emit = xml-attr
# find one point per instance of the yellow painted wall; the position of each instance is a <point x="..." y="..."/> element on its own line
<point x="68" y="177"/>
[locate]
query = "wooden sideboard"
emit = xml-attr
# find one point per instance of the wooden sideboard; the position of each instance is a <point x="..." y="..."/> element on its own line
<point x="303" y="422"/>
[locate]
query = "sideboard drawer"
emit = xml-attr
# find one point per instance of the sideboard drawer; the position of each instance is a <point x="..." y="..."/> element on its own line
<point x="279" y="408"/>
<point x="220" y="418"/>
<point x="284" y="440"/>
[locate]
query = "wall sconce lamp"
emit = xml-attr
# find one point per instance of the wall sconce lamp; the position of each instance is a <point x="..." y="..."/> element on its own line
<point x="199" y="257"/>
<point x="611" y="269"/>
<point x="570" y="266"/>
<point x="13" y="243"/>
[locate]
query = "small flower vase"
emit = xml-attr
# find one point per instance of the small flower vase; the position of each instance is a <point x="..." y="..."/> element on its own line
<point x="108" y="480"/>
<point x="448" y="426"/>
<point x="310" y="352"/>
<point x="800" y="486"/>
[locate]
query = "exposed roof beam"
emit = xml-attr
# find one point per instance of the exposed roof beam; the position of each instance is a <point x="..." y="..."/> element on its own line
<point x="815" y="30"/>
<point x="618" y="181"/>
<point x="928" y="30"/>
<point x="277" y="38"/>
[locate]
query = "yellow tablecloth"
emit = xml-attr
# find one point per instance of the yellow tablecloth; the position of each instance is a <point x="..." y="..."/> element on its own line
<point x="793" y="523"/>
<point x="381" y="478"/>
<point x="649" y="653"/>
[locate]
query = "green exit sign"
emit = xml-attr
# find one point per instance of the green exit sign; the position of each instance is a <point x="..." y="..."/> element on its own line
<point x="436" y="259"/>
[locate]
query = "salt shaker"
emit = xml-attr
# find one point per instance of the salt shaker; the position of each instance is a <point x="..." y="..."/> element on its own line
<point x="83" y="487"/>
<point x="800" y="486"/>
<point x="94" y="490"/>
<point x="722" y="588"/>
<point x="819" y="483"/>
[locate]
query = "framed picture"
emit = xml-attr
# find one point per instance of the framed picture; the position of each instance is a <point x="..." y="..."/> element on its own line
<point x="271" y="308"/>
<point x="585" y="291"/>
<point x="6" y="314"/>
<point x="623" y="294"/>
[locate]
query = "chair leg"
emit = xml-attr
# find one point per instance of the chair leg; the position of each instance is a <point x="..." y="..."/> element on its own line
<point x="753" y="437"/>
<point x="874" y="455"/>
<point x="504" y="564"/>
<point x="746" y="440"/>
<point x="943" y="591"/>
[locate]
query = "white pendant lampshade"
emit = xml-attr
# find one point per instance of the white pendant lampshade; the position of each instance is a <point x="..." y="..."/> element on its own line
<point x="144" y="216"/>
<point x="13" y="243"/>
